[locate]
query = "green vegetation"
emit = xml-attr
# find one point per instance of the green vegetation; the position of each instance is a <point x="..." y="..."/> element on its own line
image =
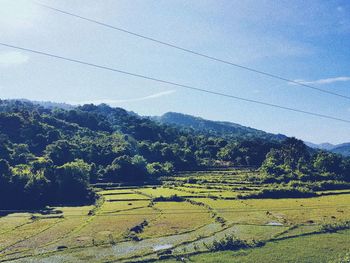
<point x="226" y="129"/>
<point x="99" y="184"/>
<point x="322" y="248"/>
<point x="172" y="198"/>
<point x="134" y="224"/>
<point x="293" y="161"/>
<point x="52" y="156"/>
<point x="228" y="243"/>
<point x="279" y="192"/>
<point x="41" y="149"/>
<point x="336" y="226"/>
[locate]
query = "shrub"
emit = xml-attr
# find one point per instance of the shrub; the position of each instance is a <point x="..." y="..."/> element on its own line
<point x="139" y="228"/>
<point x="280" y="193"/>
<point x="228" y="243"/>
<point x="172" y="198"/>
<point x="160" y="169"/>
<point x="330" y="228"/>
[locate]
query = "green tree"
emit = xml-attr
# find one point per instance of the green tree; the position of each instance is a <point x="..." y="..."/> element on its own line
<point x="61" y="152"/>
<point x="36" y="189"/>
<point x="127" y="169"/>
<point x="5" y="176"/>
<point x="327" y="162"/>
<point x="73" y="181"/>
<point x="157" y="169"/>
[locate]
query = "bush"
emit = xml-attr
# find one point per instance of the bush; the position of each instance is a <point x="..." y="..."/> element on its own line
<point x="139" y="228"/>
<point x="280" y="193"/>
<point x="160" y="169"/>
<point x="127" y="169"/>
<point x="173" y="198"/>
<point x="228" y="243"/>
<point x="330" y="228"/>
<point x="320" y="186"/>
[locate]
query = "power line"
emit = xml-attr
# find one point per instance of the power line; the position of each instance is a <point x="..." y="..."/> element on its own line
<point x="195" y="52"/>
<point x="174" y="83"/>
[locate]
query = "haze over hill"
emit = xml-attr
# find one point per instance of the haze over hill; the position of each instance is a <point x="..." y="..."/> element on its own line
<point x="343" y="148"/>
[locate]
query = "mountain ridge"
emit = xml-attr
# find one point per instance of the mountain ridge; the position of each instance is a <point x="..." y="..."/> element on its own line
<point x="342" y="148"/>
<point x="230" y="129"/>
<point x="220" y="128"/>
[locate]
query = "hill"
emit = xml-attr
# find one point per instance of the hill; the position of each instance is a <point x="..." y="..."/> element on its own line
<point x="220" y="128"/>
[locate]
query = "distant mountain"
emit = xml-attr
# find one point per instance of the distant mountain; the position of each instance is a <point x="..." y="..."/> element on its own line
<point x="216" y="127"/>
<point x="327" y="146"/>
<point x="323" y="146"/>
<point x="343" y="149"/>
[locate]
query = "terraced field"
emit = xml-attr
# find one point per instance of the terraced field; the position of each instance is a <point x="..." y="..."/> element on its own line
<point x="178" y="219"/>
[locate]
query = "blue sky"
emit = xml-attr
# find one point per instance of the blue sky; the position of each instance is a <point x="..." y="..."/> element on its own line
<point x="300" y="40"/>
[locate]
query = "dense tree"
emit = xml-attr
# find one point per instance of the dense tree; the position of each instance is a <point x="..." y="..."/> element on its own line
<point x="72" y="181"/>
<point x="127" y="169"/>
<point x="158" y="169"/>
<point x="294" y="161"/>
<point x="327" y="162"/>
<point x="294" y="153"/>
<point x="11" y="124"/>
<point x="61" y="152"/>
<point x="5" y="171"/>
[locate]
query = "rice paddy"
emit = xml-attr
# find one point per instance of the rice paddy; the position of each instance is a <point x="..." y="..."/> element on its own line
<point x="129" y="224"/>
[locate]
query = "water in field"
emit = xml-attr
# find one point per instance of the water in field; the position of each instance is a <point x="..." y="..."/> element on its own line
<point x="126" y="249"/>
<point x="244" y="232"/>
<point x="160" y="247"/>
<point x="274" y="224"/>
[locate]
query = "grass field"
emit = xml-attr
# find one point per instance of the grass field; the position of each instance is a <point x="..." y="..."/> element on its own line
<point x="130" y="225"/>
<point x="314" y="248"/>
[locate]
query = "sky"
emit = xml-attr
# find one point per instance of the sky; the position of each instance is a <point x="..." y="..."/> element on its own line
<point x="300" y="40"/>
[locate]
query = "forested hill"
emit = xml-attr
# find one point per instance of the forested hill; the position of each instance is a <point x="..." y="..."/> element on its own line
<point x="52" y="155"/>
<point x="226" y="129"/>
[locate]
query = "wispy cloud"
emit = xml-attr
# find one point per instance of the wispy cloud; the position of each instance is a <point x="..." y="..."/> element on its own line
<point x="12" y="58"/>
<point x="113" y="102"/>
<point x="323" y="81"/>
